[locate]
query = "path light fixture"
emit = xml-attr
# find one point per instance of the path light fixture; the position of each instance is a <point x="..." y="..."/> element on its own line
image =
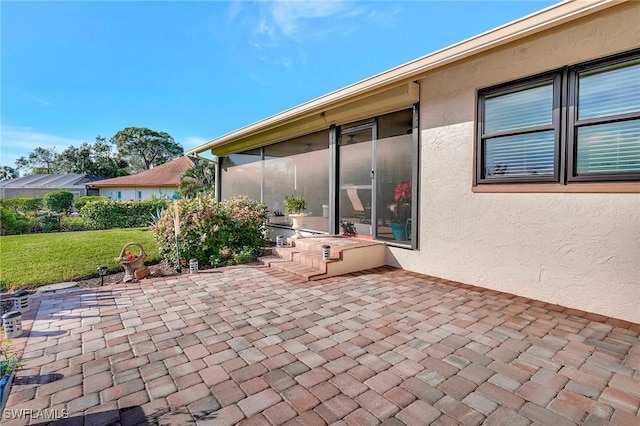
<point x="12" y="324"/>
<point x="21" y="301"/>
<point x="193" y="266"/>
<point x="326" y="252"/>
<point x="102" y="271"/>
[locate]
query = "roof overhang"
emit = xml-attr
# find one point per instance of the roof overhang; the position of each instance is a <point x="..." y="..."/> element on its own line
<point x="285" y="127"/>
<point x="393" y="89"/>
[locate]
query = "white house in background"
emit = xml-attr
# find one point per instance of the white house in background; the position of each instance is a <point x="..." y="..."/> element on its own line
<point x="34" y="186"/>
<point x="161" y="181"/>
<point x="510" y="160"/>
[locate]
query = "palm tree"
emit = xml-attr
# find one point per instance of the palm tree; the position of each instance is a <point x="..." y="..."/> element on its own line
<point x="199" y="178"/>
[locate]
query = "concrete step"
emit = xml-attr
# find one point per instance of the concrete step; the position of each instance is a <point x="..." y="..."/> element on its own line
<point x="303" y="257"/>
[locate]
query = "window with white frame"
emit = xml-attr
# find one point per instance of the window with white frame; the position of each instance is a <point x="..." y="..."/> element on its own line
<point x="577" y="124"/>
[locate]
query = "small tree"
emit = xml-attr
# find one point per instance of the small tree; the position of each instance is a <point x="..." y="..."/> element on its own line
<point x="199" y="178"/>
<point x="59" y="201"/>
<point x="145" y="148"/>
<point x="40" y="161"/>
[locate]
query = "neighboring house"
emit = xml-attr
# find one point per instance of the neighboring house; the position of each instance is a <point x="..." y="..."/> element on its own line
<point x="511" y="160"/>
<point x="161" y="181"/>
<point x="34" y="186"/>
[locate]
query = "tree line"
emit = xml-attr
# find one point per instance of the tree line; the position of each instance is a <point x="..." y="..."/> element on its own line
<point x="136" y="149"/>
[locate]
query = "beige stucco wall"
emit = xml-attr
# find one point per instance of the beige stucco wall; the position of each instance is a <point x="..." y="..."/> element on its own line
<point x="576" y="250"/>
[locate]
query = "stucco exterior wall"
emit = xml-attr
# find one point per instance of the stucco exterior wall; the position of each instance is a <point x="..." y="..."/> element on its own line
<point x="576" y="250"/>
<point x="129" y="193"/>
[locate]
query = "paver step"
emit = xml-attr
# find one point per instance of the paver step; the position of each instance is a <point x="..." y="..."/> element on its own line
<point x="292" y="267"/>
<point x="303" y="257"/>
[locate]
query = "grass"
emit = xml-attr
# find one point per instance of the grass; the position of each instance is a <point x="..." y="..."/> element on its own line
<point x="37" y="259"/>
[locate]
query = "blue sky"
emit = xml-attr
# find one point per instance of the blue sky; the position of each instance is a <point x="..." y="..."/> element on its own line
<point x="71" y="71"/>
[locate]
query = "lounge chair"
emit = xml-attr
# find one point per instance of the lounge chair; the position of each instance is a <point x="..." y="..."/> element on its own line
<point x="360" y="211"/>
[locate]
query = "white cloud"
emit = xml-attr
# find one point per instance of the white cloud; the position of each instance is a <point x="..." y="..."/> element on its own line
<point x="280" y="31"/>
<point x="37" y="99"/>
<point x="20" y="141"/>
<point x="281" y="22"/>
<point x="286" y="62"/>
<point x="291" y="17"/>
<point x="234" y="10"/>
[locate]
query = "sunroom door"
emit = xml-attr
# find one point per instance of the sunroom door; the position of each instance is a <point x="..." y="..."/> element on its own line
<point x="395" y="156"/>
<point x="357" y="178"/>
<point x="378" y="163"/>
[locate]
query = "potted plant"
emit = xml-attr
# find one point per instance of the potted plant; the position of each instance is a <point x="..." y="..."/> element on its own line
<point x="401" y="209"/>
<point x="294" y="205"/>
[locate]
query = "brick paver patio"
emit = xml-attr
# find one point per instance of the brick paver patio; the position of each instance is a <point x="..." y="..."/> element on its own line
<point x="246" y="345"/>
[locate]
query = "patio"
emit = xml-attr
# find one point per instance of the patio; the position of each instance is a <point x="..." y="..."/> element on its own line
<point x="246" y="345"/>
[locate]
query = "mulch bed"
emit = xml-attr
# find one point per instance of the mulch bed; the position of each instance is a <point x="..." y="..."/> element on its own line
<point x="159" y="270"/>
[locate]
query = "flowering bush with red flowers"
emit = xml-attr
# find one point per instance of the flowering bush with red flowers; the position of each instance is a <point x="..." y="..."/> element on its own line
<point x="215" y="233"/>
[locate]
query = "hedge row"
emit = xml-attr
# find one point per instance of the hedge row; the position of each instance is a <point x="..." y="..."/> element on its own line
<point x="85" y="199"/>
<point x="107" y="214"/>
<point x="12" y="223"/>
<point x="22" y="205"/>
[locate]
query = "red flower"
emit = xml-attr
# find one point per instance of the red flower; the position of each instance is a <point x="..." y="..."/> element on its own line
<point x="403" y="192"/>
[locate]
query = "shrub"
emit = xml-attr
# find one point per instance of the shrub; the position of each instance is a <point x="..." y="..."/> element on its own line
<point x="48" y="221"/>
<point x="59" y="201"/>
<point x="107" y="214"/>
<point x="22" y="205"/>
<point x="214" y="233"/>
<point x="8" y="222"/>
<point x="12" y="223"/>
<point x="81" y="201"/>
<point x="69" y="223"/>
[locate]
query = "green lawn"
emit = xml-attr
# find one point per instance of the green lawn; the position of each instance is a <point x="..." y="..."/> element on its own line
<point x="36" y="259"/>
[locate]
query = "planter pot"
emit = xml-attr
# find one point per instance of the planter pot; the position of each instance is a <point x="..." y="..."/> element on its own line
<point x="399" y="231"/>
<point x="5" y="387"/>
<point x="277" y="219"/>
<point x="297" y="225"/>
